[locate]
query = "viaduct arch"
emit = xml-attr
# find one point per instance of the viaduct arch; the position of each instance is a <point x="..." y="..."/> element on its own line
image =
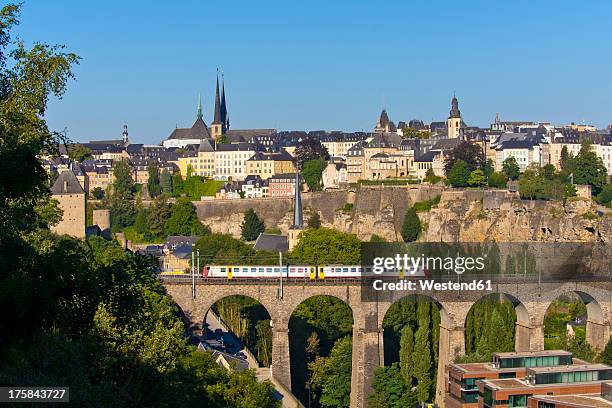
<point x="531" y="301"/>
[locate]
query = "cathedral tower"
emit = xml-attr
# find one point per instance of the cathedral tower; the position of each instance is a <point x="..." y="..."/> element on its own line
<point x="217" y="127"/>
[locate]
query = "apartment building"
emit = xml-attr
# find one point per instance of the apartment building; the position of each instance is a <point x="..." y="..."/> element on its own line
<point x="266" y="165"/>
<point x="282" y="185"/>
<point x="516" y="379"/>
<point x="230" y="160"/>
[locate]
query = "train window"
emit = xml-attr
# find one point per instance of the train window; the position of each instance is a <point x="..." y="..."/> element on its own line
<point x="268" y="270"/>
<point x="276" y="270"/>
<point x="254" y="270"/>
<point x="222" y="269"/>
<point x="245" y="270"/>
<point x="345" y="270"/>
<point x="353" y="269"/>
<point x="261" y="270"/>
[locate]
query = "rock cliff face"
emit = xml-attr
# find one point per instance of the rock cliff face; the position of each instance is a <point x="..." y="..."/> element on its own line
<point x="461" y="215"/>
<point x="475" y="216"/>
<point x="373" y="210"/>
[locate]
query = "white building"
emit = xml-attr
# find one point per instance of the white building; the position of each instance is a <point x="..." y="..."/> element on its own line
<point x="230" y="160"/>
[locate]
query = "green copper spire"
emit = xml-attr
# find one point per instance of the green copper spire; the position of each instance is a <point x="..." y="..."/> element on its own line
<point x="199" y="106"/>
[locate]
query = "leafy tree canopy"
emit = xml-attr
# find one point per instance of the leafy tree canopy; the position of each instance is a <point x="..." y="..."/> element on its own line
<point x="327" y="246"/>
<point x="511" y="168"/>
<point x="459" y="174"/>
<point x="252" y="226"/>
<point x="313" y="171"/>
<point x="184" y="220"/>
<point x="412" y="226"/>
<point x="308" y="149"/>
<point x="469" y="153"/>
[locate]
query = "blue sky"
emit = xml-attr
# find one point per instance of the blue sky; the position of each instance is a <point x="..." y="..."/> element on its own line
<point x="325" y="64"/>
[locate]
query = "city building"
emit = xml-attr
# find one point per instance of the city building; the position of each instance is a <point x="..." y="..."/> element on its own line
<point x="334" y="175"/>
<point x="177" y="253"/>
<point x="181" y="137"/>
<point x="254" y="187"/>
<point x="383" y="124"/>
<point x="72" y="201"/>
<point x="282" y="185"/>
<point x="267" y="165"/>
<point x="514" y="379"/>
<point x="231" y="159"/>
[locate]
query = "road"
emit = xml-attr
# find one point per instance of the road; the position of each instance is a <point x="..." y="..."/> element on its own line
<point x="263" y="373"/>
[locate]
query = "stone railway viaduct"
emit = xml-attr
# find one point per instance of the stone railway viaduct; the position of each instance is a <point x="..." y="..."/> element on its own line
<point x="531" y="300"/>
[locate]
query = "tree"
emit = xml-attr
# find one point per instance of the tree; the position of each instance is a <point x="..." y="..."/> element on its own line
<point x="421" y="362"/>
<point x="78" y="152"/>
<point x="153" y="183"/>
<point x="488" y="168"/>
<point x="332" y="375"/>
<point x="477" y="178"/>
<point x="459" y="174"/>
<point x="430" y="177"/>
<point x="511" y="168"/>
<point x="97" y="193"/>
<point x="412" y="226"/>
<point x="588" y="168"/>
<point x="122" y="211"/>
<point x="252" y="226"/>
<point x="308" y="149"/>
<point x="377" y="239"/>
<point x="605" y="195"/>
<point x="467" y="152"/>
<point x="158" y="213"/>
<point x="498" y="180"/>
<point x="548" y="171"/>
<point x="166" y="182"/>
<point x="183" y="220"/>
<point x="606" y="355"/>
<point x="406" y="352"/>
<point x="314" y="221"/>
<point x="312" y="173"/>
<point x="529" y="184"/>
<point x="327" y="246"/>
<point x="123" y="186"/>
<point x="566" y="159"/>
<point x="390" y="391"/>
<point x="177" y="185"/>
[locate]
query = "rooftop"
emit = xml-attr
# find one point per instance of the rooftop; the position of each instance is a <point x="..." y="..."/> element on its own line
<point x="543" y="353"/>
<point x="578" y="401"/>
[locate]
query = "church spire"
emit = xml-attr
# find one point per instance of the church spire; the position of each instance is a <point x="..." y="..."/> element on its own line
<point x="199" y="115"/>
<point x="455" y="112"/>
<point x="224" y="117"/>
<point x="217" y="119"/>
<point x="298" y="221"/>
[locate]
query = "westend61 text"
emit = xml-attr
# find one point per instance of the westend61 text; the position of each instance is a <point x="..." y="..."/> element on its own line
<point x="431" y="284"/>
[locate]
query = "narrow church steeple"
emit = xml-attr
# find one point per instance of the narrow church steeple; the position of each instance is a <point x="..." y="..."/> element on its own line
<point x="224" y="117"/>
<point x="199" y="114"/>
<point x="217" y="118"/>
<point x="298" y="220"/>
<point x="217" y="124"/>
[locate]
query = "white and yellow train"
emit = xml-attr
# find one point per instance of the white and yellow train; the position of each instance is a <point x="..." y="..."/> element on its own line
<point x="305" y="272"/>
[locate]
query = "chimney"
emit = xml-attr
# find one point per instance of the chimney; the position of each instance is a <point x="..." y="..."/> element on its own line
<point x="65" y="186"/>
